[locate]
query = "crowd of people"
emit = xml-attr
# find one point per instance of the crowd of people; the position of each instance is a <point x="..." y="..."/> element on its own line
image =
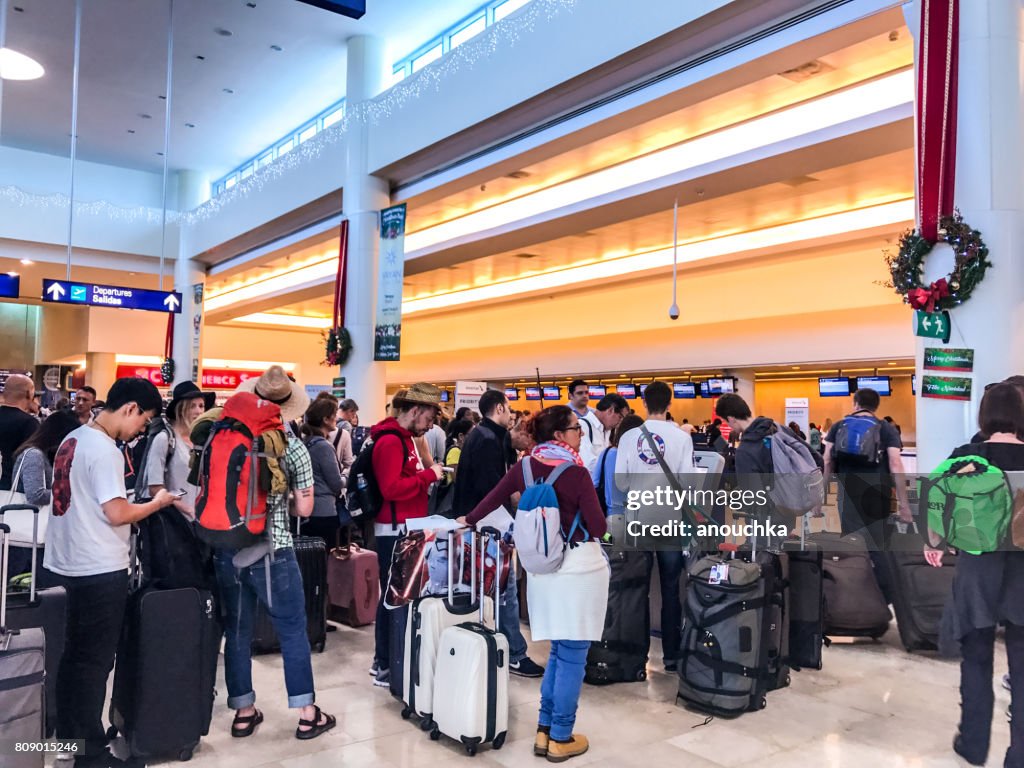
<point x="77" y="459"/>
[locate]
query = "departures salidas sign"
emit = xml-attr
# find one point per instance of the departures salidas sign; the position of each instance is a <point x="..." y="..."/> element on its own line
<point x="116" y="296"/>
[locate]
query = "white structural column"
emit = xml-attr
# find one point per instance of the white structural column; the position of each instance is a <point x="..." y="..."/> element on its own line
<point x="364" y="196"/>
<point x="193" y="191"/>
<point x="989" y="187"/>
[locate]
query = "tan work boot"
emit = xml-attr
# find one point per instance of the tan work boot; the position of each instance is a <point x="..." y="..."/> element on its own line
<point x="559" y="752"/>
<point x="540" y="743"/>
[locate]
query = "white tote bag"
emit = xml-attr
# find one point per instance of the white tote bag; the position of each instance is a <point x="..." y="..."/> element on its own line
<point x="20" y="520"/>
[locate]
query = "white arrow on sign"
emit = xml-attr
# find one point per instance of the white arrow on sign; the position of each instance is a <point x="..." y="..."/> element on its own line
<point x="56" y="290"/>
<point x="926" y="322"/>
<point x="171" y="302"/>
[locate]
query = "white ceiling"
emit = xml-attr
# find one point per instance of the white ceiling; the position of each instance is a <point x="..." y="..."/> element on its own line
<point x="124" y="68"/>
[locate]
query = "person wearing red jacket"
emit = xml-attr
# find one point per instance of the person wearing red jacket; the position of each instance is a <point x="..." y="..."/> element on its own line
<point x="405" y="486"/>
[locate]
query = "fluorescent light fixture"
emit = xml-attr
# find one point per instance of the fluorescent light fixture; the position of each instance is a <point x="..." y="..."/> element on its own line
<point x="847" y="222"/>
<point x="208" y="362"/>
<point x="820" y="113"/>
<point x="314" y="273"/>
<point x="18" y="66"/>
<point x="27" y="262"/>
<point x="285" y="321"/>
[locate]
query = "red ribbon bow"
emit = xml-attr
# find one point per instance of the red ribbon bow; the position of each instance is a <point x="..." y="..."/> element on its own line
<point x="927" y="298"/>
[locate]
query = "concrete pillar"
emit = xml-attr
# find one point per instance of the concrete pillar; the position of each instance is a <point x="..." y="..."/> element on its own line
<point x="364" y="197"/>
<point x="100" y="372"/>
<point x="989" y="186"/>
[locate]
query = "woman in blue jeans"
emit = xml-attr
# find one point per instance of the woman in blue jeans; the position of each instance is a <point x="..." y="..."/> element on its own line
<point x="568" y="606"/>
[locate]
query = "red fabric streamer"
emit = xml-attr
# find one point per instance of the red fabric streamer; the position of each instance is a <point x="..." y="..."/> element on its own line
<point x="937" y="81"/>
<point x="341" y="280"/>
<point x="169" y="338"/>
<point x="927" y="298"/>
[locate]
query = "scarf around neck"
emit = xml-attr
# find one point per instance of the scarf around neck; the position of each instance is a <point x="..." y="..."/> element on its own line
<point x="555" y="452"/>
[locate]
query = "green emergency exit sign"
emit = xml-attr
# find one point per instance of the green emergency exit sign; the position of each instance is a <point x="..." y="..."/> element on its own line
<point x="932" y="325"/>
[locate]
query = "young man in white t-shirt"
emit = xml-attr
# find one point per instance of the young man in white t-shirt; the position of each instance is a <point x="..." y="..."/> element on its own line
<point x="87" y="551"/>
<point x="634" y="458"/>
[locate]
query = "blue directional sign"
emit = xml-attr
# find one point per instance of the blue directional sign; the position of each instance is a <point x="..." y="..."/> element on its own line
<point x="116" y="296"/>
<point x="10" y="286"/>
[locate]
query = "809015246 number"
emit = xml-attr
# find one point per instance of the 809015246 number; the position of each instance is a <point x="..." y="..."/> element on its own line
<point x="70" y="746"/>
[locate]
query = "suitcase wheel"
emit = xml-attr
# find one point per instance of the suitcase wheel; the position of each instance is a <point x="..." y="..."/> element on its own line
<point x="185" y="755"/>
<point x="435" y="733"/>
<point x="471" y="745"/>
<point x="111" y="733"/>
<point x="499" y="740"/>
<point x="641" y="675"/>
<point x="406" y="713"/>
<point x="762" y="703"/>
<point x="319" y="647"/>
<point x="789" y="680"/>
<point x="426" y="724"/>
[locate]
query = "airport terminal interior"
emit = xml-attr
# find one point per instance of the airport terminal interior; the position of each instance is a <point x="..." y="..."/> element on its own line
<point x="733" y="197"/>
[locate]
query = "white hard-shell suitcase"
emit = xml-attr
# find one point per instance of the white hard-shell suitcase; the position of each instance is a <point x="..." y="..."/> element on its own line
<point x="429" y="617"/>
<point x="471" y="678"/>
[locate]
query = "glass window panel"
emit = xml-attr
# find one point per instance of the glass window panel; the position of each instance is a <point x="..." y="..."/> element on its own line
<point x="266" y="159"/>
<point x="307" y="134"/>
<point x="285" y="147"/>
<point x="509" y="6"/>
<point x="470" y="30"/>
<point x="425" y="58"/>
<point x="231" y="181"/>
<point x="332" y="117"/>
<point x="247" y="171"/>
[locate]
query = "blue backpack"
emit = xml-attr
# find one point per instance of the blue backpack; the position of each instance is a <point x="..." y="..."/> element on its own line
<point x="860" y="438"/>
<point x="537" y="533"/>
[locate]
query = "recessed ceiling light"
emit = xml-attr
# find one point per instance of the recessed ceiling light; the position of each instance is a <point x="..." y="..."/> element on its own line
<point x="518" y="175"/>
<point x="161" y="154"/>
<point x="223" y="32"/>
<point x="893" y="363"/>
<point x="190" y="125"/>
<point x="796" y="367"/>
<point x="28" y="263"/>
<point x="162" y="98"/>
<point x="227" y="90"/>
<point x="19" y="9"/>
<point x="144" y="116"/>
<point x="131" y="130"/>
<point x="18" y="66"/>
<point x="250" y="5"/>
<point x="201" y="58"/>
<point x="276" y="48"/>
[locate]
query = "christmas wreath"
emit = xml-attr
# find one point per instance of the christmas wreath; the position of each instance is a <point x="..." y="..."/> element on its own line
<point x="339" y="346"/>
<point x="167" y="370"/>
<point x="970" y="263"/>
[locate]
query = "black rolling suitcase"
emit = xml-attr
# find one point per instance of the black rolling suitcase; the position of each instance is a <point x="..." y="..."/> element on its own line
<point x="621" y="654"/>
<point x="22" y="676"/>
<point x="398" y="618"/>
<point x="43" y="608"/>
<point x="806" y="604"/>
<point x="311" y="555"/>
<point x="919" y="591"/>
<point x="854" y="604"/>
<point x="166" y="672"/>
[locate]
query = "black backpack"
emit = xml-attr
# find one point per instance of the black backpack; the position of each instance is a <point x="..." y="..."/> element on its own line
<point x="363" y="496"/>
<point x="140" y="455"/>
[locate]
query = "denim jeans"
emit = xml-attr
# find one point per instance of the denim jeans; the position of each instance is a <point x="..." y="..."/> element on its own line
<point x="560" y="688"/>
<point x="95" y="613"/>
<point x="382" y="627"/>
<point x="240" y="590"/>
<point x="670" y="569"/>
<point x="508" y="615"/>
<point x="978" y="700"/>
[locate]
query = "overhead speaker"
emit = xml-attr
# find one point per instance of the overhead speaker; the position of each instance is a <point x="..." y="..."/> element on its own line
<point x="354" y="9"/>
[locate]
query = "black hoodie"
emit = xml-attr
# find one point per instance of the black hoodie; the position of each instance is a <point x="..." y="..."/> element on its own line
<point x="754" y="452"/>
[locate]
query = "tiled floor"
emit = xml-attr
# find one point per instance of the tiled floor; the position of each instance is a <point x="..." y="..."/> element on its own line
<point x="873" y="705"/>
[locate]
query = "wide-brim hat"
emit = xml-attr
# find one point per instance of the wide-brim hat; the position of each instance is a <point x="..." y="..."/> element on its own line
<point x="187" y="390"/>
<point x="418" y="394"/>
<point x="276" y="387"/>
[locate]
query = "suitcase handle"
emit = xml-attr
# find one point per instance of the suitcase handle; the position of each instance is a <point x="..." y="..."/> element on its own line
<point x="35" y="542"/>
<point x="4" y="557"/>
<point x="489" y="532"/>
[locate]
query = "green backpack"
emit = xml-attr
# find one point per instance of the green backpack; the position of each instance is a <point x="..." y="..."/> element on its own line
<point x="969" y="503"/>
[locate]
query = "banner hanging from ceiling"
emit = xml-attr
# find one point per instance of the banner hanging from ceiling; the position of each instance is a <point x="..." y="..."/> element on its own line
<point x="387" y="332"/>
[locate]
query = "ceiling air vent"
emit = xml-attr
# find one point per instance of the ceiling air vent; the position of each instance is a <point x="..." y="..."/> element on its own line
<point x="518" y="175"/>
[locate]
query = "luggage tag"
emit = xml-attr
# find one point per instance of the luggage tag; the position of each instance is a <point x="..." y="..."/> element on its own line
<point x="719" y="573"/>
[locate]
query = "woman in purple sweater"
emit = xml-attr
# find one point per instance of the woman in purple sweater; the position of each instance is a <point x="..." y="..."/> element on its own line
<point x="568" y="606"/>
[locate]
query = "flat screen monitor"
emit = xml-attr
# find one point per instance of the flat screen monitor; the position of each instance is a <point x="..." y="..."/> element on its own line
<point x="552" y="393"/>
<point x="597" y="391"/>
<point x="684" y="390"/>
<point x="705" y="388"/>
<point x="445" y="396"/>
<point x="834" y="387"/>
<point x="511" y="393"/>
<point x="354" y="9"/>
<point x="643" y="389"/>
<point x="628" y="391"/>
<point x="881" y="384"/>
<point x="913" y="384"/>
<point x="723" y="386"/>
<point x="533" y="393"/>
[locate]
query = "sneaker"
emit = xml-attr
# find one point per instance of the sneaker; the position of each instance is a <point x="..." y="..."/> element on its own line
<point x="1006" y="681"/>
<point x="375" y="669"/>
<point x="560" y="751"/>
<point x="383" y="678"/>
<point x="526" y="667"/>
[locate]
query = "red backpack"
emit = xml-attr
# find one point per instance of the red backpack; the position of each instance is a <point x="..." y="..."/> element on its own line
<point x="234" y="474"/>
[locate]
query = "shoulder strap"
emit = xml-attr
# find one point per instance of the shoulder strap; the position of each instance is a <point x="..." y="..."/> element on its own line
<point x="337" y="438"/>
<point x="527" y="472"/>
<point x="557" y="472"/>
<point x="590" y="429"/>
<point x="661" y="459"/>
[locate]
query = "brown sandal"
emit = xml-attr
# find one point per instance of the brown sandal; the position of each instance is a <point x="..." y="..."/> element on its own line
<point x="243" y="726"/>
<point x="315" y="727"/>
